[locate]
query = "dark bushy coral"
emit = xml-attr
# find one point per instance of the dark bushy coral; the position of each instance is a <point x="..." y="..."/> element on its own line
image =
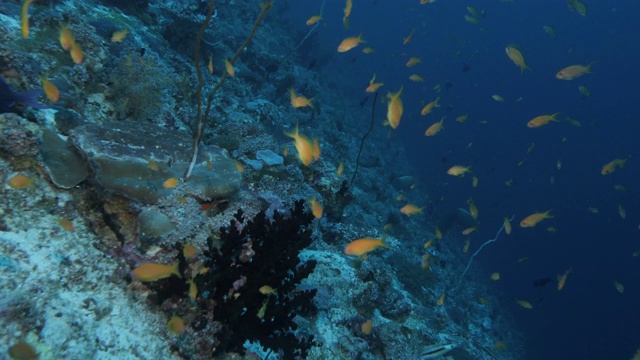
<point x="254" y="254"/>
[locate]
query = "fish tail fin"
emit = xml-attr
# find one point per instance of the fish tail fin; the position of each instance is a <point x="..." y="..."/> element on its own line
<point x="547" y="214"/>
<point x="553" y="117"/>
<point x="383" y="242"/>
<point x="175" y="270"/>
<point x="588" y="67"/>
<point x="294" y="134"/>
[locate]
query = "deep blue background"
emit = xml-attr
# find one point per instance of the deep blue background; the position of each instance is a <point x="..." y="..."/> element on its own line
<point x="589" y="319"/>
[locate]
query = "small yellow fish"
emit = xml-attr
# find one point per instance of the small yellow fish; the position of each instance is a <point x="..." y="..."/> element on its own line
<point x="467" y="243"/>
<point x="298" y="101"/>
<point x="413" y="61"/>
<point x="416" y="78"/>
<point x="542" y="120"/>
<point x="411" y="209"/>
<point x="394" y="109"/>
<point x="469" y="230"/>
<point x="562" y="279"/>
<point x="497" y="98"/>
<point x="170" y="183"/>
<point x="20" y="182"/>
<point x="584" y="91"/>
<point x="471" y="19"/>
<point x="50" y="90"/>
<point x="340" y="168"/>
<point x="349" y="43"/>
<point x="551" y="229"/>
<point x="193" y="289"/>
<point x="549" y="30"/>
<point x="66" y="38"/>
<point x="153" y="272"/>
<point x="429" y="107"/>
<point x="474" y="181"/>
<point x="363" y="246"/>
<point x="435" y="128"/>
<point x="507" y="225"/>
<point x="574" y="71"/>
<point x="459" y="170"/>
<point x="25" y="18"/>
<point x="66" y="224"/>
<point x="189" y="251"/>
<point x="612" y="166"/>
<point x="368" y="50"/>
<point x="314" y="19"/>
<point x="119" y="35"/>
<point x="176" y="325"/>
<point x="406" y="40"/>
<point x="76" y="53"/>
<point x="373" y="86"/>
<point x="229" y="67"/>
<point x="523" y="259"/>
<point x="303" y="146"/>
<point x="516" y="56"/>
<point x="441" y="299"/>
<point x="593" y="209"/>
<point x="439" y="233"/>
<point x="525" y="304"/>
<point x="473" y="209"/>
<point x="266" y="290"/>
<point x="367" y="327"/>
<point x="533" y="219"/>
<point x="462" y="118"/>
<point x="495" y="276"/>
<point x="316" y="208"/>
<point x="210" y="64"/>
<point x="428" y="243"/>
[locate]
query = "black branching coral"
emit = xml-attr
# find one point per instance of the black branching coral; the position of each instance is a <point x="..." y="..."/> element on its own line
<point x="253" y="281"/>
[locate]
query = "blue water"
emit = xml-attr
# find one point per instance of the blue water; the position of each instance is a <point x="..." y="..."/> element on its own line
<point x="588" y="319"/>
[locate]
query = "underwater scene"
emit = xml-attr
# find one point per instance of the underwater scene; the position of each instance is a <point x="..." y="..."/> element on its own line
<point x="319" y="179"/>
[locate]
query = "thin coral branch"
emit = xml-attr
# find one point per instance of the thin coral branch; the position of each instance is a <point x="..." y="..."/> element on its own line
<point x="477" y="252"/>
<point x="202" y="118"/>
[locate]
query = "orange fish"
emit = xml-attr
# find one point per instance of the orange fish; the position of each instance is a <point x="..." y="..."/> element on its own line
<point x="66" y="38"/>
<point x="340" y="169"/>
<point x="347" y="12"/>
<point x="50" y="90"/>
<point x="467" y="243"/>
<point x="416" y="78"/>
<point x="316" y="208"/>
<point x="562" y="279"/>
<point x="210" y="64"/>
<point x="314" y="19"/>
<point x="507" y="225"/>
<point x="441" y="299"/>
<point x="153" y="272"/>
<point x="20" y="182"/>
<point x="574" y="71"/>
<point x="316" y="149"/>
<point x="533" y="219"/>
<point x="170" y="183"/>
<point x="25" y="18"/>
<point x="367" y="327"/>
<point x="413" y="61"/>
<point x="429" y="107"/>
<point x="525" y="304"/>
<point x="516" y="56"/>
<point x="408" y="38"/>
<point x="434" y="128"/>
<point x="542" y="120"/>
<point x="473" y="209"/>
<point x="189" y="251"/>
<point x="394" y="109"/>
<point x="459" y="170"/>
<point x="176" y="325"/>
<point x="229" y="67"/>
<point x="298" y="101"/>
<point x="303" y="145"/>
<point x="612" y="166"/>
<point x="349" y="43"/>
<point x="469" y="230"/>
<point x="363" y="246"/>
<point x="119" y="35"/>
<point x="76" y="53"/>
<point x="411" y="209"/>
<point x="66" y="224"/>
<point x="373" y="86"/>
